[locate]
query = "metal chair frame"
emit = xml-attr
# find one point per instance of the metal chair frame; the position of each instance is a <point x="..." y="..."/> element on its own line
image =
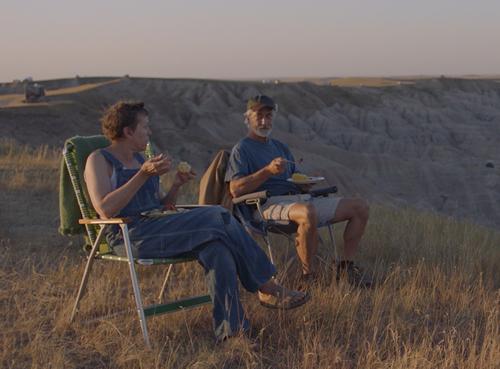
<point x="95" y="231"/>
<point x="285" y="228"/>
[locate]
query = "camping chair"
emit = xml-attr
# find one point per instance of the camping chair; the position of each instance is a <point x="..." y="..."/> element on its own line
<point x="215" y="191"/>
<point x="75" y="153"/>
<point x="246" y="206"/>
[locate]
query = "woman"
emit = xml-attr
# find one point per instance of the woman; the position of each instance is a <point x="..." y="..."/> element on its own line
<point x="122" y="184"/>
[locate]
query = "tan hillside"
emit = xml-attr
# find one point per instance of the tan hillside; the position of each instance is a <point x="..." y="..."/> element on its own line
<point x="424" y="145"/>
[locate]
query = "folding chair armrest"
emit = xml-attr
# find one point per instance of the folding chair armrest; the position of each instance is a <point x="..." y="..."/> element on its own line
<point x="251" y="197"/>
<point x="104" y="221"/>
<point x="323" y="191"/>
<point x="191" y="206"/>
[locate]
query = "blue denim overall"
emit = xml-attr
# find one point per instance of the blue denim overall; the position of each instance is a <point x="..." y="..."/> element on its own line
<point x="212" y="234"/>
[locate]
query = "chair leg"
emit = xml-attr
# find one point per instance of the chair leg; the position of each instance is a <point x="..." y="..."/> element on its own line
<point x="320" y="239"/>
<point x="332" y="239"/>
<point x="86" y="273"/>
<point x="164" y="286"/>
<point x="289" y="262"/>
<point x="268" y="243"/>
<point x="135" y="286"/>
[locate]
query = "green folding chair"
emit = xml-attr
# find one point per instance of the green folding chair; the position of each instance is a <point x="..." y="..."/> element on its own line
<point x="75" y="152"/>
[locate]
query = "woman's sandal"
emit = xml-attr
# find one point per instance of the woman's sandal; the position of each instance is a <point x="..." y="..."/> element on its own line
<point x="288" y="301"/>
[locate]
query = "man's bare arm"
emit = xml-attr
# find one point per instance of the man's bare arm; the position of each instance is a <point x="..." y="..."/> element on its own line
<point x="244" y="185"/>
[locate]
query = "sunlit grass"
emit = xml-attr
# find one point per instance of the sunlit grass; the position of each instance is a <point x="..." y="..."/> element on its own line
<point x="22" y="167"/>
<point x="436" y="305"/>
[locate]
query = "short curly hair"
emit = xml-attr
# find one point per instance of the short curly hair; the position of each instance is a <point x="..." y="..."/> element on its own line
<point x="120" y="115"/>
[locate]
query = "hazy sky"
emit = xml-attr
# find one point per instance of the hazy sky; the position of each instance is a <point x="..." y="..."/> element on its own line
<point x="247" y="39"/>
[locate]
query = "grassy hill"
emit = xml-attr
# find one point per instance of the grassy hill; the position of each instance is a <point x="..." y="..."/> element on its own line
<point x="436" y="305"/>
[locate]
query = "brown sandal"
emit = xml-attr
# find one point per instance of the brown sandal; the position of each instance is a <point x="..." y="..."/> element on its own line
<point x="291" y="300"/>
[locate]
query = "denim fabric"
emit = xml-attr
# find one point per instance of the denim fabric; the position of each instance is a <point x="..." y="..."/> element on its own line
<point x="147" y="198"/>
<point x="221" y="245"/>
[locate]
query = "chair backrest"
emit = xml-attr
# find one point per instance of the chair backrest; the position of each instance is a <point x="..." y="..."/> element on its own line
<point x="214" y="190"/>
<point x="75" y="153"/>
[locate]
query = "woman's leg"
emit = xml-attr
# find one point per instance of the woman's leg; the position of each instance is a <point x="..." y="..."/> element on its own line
<point x="228" y="316"/>
<point x="256" y="271"/>
<point x="252" y="264"/>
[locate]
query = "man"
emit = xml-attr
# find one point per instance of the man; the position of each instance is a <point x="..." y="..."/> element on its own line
<point x="259" y="163"/>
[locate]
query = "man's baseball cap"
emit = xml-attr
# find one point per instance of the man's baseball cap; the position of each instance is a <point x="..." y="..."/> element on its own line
<point x="261" y="101"/>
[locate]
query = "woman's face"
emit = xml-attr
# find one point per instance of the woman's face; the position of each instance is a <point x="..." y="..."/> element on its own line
<point x="139" y="137"/>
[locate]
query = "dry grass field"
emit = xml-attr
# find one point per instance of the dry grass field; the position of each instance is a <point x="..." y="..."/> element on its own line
<point x="436" y="304"/>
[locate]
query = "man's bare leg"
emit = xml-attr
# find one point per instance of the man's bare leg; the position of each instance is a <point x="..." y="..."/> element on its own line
<point x="307" y="234"/>
<point x="356" y="212"/>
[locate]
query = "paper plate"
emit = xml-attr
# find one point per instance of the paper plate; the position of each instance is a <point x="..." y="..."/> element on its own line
<point x="309" y="180"/>
<point x="158" y="213"/>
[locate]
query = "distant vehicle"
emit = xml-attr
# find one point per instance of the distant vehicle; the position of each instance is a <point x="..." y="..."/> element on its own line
<point x="33" y="92"/>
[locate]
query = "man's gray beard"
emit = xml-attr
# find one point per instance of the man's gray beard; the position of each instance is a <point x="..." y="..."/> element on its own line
<point x="264" y="133"/>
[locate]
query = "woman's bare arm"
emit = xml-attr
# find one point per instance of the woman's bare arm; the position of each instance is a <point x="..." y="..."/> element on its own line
<point x="108" y="203"/>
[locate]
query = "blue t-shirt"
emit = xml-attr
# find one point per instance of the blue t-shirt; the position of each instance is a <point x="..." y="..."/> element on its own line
<point x="249" y="156"/>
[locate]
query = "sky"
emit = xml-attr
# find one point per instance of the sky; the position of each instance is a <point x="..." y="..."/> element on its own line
<point x="236" y="39"/>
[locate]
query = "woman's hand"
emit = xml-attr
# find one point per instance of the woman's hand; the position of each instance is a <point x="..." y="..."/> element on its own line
<point x="182" y="178"/>
<point x="156" y="166"/>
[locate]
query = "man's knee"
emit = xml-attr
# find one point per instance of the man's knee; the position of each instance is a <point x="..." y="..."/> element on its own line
<point x="304" y="214"/>
<point x="311" y="214"/>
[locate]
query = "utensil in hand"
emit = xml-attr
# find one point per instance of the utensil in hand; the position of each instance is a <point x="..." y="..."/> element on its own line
<point x="294" y="162"/>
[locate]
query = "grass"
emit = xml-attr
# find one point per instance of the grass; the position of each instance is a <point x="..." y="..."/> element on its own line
<point x="436" y="305"/>
<point x="22" y="167"/>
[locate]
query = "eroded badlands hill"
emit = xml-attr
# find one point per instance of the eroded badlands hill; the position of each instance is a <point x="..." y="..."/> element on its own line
<point x="424" y="144"/>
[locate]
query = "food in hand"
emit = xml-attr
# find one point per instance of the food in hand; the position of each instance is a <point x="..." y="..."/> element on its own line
<point x="299" y="177"/>
<point x="184" y="167"/>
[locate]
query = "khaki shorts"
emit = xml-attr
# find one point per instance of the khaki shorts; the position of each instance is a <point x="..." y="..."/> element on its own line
<point x="278" y="207"/>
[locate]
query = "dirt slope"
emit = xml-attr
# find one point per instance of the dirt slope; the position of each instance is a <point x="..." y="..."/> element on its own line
<point x="425" y="144"/>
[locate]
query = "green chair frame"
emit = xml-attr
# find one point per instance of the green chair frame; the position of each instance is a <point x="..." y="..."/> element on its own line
<point x="95" y="228"/>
